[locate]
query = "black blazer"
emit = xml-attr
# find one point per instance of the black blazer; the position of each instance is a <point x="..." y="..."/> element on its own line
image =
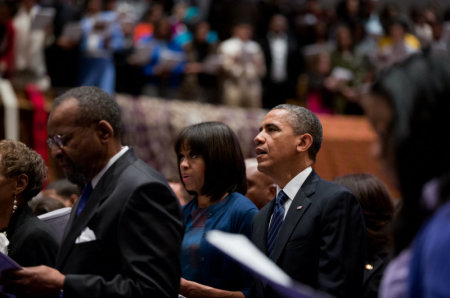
<point x="321" y="243"/>
<point x="138" y="230"/>
<point x="31" y="241"/>
<point x="294" y="64"/>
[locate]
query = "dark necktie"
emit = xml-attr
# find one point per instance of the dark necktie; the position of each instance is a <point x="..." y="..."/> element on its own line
<point x="277" y="221"/>
<point x="87" y="190"/>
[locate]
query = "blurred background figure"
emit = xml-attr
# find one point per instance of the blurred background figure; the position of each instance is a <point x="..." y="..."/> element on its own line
<point x="242" y="70"/>
<point x="346" y="75"/>
<point x="166" y="62"/>
<point x="408" y="107"/>
<point x="180" y="192"/>
<point x="63" y="190"/>
<point x="203" y="65"/>
<point x="283" y="62"/>
<point x="47" y="204"/>
<point x="378" y="211"/>
<point x="7" y="35"/>
<point x="397" y="44"/>
<point x="22" y="174"/>
<point x="29" y="44"/>
<point x="102" y="35"/>
<point x="260" y="188"/>
<point x="212" y="168"/>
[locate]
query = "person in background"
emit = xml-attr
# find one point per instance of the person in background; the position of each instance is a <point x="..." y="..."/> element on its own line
<point x="29" y="45"/>
<point x="63" y="190"/>
<point x="242" y="69"/>
<point x="7" y="33"/>
<point x="314" y="229"/>
<point x="47" y="204"/>
<point x="408" y="107"/>
<point x="397" y="45"/>
<point x="180" y="192"/>
<point x="124" y="234"/>
<point x="166" y="61"/>
<point x="22" y="174"/>
<point x="378" y="211"/>
<point x="347" y="74"/>
<point x="101" y="36"/>
<point x="260" y="187"/>
<point x="211" y="166"/>
<point x="203" y="65"/>
<point x="283" y="62"/>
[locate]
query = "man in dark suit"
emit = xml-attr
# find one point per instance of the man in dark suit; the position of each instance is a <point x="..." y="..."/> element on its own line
<point x="122" y="240"/>
<point x="284" y="63"/>
<point x="321" y="237"/>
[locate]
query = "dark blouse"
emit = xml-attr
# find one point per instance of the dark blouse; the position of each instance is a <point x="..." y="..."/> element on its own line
<point x="31" y="241"/>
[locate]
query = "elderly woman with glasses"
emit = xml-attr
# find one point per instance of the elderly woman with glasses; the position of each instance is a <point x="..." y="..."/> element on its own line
<point x="29" y="241"/>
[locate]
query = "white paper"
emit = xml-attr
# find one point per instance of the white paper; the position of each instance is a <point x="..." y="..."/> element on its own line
<point x="57" y="220"/>
<point x="43" y="18"/>
<point x="239" y="248"/>
<point x="342" y="73"/>
<point x="72" y="31"/>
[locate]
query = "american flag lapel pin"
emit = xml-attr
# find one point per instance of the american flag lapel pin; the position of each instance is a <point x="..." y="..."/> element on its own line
<point x="299" y="207"/>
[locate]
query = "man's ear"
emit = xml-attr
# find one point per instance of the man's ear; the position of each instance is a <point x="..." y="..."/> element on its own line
<point x="305" y="141"/>
<point x="105" y="130"/>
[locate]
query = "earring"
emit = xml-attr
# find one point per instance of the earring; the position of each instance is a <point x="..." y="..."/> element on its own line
<point x="14" y="203"/>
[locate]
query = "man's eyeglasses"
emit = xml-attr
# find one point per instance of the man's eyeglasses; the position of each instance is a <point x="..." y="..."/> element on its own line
<point x="57" y="140"/>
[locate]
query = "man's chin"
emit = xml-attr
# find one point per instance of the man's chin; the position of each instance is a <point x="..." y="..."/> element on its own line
<point x="76" y="178"/>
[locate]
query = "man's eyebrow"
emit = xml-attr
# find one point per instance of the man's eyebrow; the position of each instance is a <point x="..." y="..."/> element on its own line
<point x="271" y="125"/>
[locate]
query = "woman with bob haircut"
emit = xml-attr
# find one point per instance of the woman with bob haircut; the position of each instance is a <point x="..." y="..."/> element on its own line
<point x="212" y="168"/>
<point x="378" y="211"/>
<point x="30" y="242"/>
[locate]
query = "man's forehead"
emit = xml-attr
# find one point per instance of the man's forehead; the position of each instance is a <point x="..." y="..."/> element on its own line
<point x="276" y="117"/>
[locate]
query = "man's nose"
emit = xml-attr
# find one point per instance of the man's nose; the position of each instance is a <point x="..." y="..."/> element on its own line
<point x="259" y="138"/>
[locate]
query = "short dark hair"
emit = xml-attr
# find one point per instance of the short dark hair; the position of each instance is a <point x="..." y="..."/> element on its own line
<point x="16" y="159"/>
<point x="218" y="145"/>
<point x="94" y="105"/>
<point x="64" y="188"/>
<point x="303" y="121"/>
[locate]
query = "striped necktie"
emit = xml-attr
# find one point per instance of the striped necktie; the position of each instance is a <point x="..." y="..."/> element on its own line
<point x="276" y="222"/>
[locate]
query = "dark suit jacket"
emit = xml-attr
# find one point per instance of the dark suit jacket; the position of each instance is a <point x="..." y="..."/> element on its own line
<point x="321" y="244"/>
<point x="294" y="63"/>
<point x="137" y="224"/>
<point x="372" y="276"/>
<point x="32" y="242"/>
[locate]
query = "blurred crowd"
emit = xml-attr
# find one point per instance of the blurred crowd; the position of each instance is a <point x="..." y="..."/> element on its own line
<point x="237" y="53"/>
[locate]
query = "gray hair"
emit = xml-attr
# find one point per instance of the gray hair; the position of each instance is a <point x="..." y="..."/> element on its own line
<point x="95" y="105"/>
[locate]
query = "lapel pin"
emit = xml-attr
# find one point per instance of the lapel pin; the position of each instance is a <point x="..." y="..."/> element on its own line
<point x="299" y="207"/>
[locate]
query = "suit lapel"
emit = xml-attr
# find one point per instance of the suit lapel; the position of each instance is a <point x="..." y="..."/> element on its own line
<point x="101" y="192"/>
<point x="294" y="214"/>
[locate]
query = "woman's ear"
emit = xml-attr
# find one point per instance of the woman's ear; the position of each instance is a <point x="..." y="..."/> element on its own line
<point x="105" y="130"/>
<point x="21" y="183"/>
<point x="304" y="142"/>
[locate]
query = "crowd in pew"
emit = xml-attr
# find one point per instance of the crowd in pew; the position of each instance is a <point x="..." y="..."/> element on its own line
<point x="238" y="53"/>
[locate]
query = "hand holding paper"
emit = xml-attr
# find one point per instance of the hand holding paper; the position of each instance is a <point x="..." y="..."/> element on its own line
<point x="242" y="250"/>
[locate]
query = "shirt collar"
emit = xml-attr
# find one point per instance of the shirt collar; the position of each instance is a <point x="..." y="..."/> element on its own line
<point x="113" y="159"/>
<point x="296" y="183"/>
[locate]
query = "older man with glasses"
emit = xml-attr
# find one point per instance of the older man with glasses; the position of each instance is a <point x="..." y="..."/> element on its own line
<point x="124" y="235"/>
